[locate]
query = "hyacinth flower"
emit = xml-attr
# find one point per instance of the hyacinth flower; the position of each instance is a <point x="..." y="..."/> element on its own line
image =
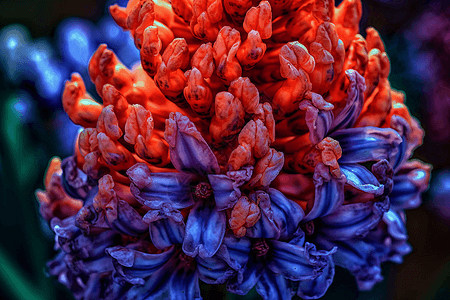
<point x="257" y="145"/>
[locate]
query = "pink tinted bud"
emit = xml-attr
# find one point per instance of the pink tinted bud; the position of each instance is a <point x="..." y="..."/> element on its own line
<point x="237" y="8"/>
<point x="259" y="19"/>
<point x="107" y="123"/>
<point x="198" y="93"/>
<point x="203" y="60"/>
<point x="246" y="91"/>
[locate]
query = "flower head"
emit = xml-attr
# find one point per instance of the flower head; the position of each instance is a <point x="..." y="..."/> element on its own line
<point x="254" y="146"/>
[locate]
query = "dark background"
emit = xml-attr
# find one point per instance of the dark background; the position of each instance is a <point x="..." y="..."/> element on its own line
<point x="418" y="44"/>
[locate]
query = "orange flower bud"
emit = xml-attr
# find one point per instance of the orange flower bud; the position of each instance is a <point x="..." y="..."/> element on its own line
<point x="346" y="18"/>
<point x="81" y="108"/>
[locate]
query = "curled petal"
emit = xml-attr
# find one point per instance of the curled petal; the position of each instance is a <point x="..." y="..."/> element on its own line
<point x="189" y="151"/>
<point x="367" y="144"/>
<point x="238" y="249"/>
<point x="226" y="40"/>
<point x="105" y="193"/>
<point x="396" y="230"/>
<point x="217" y="269"/>
<point x="104" y="67"/>
<point x="75" y="183"/>
<point x="353" y="220"/>
<point x="273" y="286"/>
<point x="279" y="216"/>
<point x="358" y="257"/>
<point x="383" y="172"/>
<point x="54" y="202"/>
<point x="134" y="266"/>
<point x="318" y="119"/>
<point x="329" y="193"/>
<point x="355" y="100"/>
<point x="205" y="229"/>
<point x="297" y="263"/>
<point x="360" y="178"/>
<point x="121" y="217"/>
<point x="253" y="270"/>
<point x="225" y="190"/>
<point x="176" y="55"/>
<point x="166" y="232"/>
<point x="316" y="288"/>
<point x="330" y="151"/>
<point x="175" y="280"/>
<point x="157" y="190"/>
<point x="409" y="183"/>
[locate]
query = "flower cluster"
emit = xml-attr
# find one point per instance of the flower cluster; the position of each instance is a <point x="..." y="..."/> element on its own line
<point x="258" y="144"/>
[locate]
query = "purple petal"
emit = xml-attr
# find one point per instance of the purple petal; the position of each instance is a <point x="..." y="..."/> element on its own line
<point x="87" y="266"/>
<point x="252" y="272"/>
<point x="90" y="221"/>
<point x="329" y="193"/>
<point x="295" y="262"/>
<point x="286" y="213"/>
<point x="362" y="179"/>
<point x="390" y="238"/>
<point x="121" y="217"/>
<point x="225" y="192"/>
<point x="356" y="256"/>
<point x="238" y="249"/>
<point x="318" y="120"/>
<point x="134" y="266"/>
<point x="189" y="151"/>
<point x="409" y="184"/>
<point x="75" y="183"/>
<point x="396" y="229"/>
<point x="383" y="171"/>
<point x="316" y="288"/>
<point x="166" y="232"/>
<point x="367" y="144"/>
<point x="279" y="217"/>
<point x="177" y="279"/>
<point x="166" y="226"/>
<point x="159" y="189"/>
<point x="273" y="286"/>
<point x="353" y="220"/>
<point x="217" y="269"/>
<point x="402" y="127"/>
<point x="205" y="229"/>
<point x="355" y="100"/>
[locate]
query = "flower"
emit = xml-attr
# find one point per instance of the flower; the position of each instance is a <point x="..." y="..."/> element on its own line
<point x="255" y="146"/>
